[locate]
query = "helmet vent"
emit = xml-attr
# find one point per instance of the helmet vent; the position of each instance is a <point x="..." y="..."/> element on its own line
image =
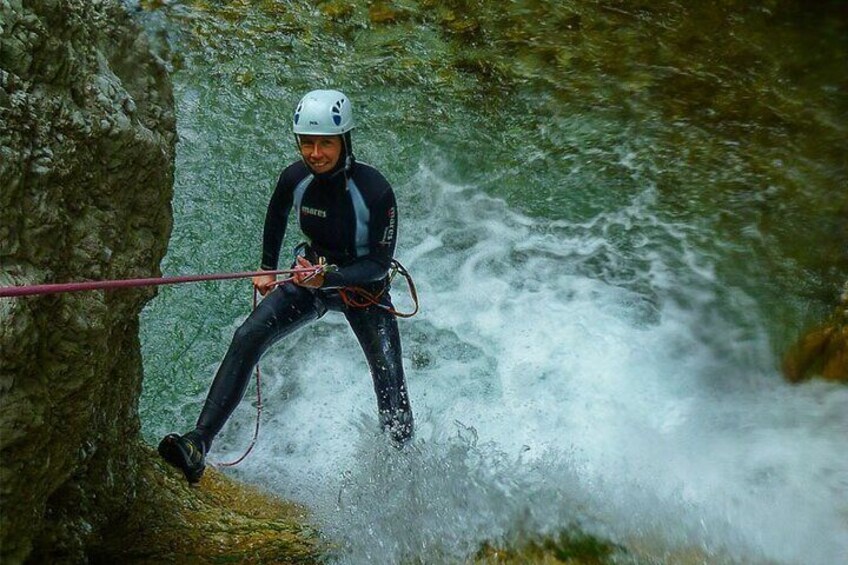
<point x="337" y="111"/>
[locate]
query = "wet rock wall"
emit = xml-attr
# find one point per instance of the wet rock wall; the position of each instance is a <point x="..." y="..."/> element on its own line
<point x="87" y="136"/>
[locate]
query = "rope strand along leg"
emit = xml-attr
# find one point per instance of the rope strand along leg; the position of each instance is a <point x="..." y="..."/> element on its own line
<point x="258" y="403"/>
<point x="313" y="272"/>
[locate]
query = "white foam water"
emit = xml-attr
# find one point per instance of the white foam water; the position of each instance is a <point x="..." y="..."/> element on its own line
<point x="595" y="374"/>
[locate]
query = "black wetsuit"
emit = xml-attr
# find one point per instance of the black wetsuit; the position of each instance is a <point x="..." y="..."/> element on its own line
<point x="350" y="218"/>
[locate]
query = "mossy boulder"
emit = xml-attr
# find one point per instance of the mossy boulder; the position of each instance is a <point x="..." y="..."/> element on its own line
<point x="569" y="547"/>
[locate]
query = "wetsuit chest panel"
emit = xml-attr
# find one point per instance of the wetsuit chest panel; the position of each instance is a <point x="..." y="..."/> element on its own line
<point x="326" y="215"/>
<point x="362" y="219"/>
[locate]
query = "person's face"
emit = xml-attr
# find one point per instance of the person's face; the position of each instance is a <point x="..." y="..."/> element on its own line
<point x="321" y="152"/>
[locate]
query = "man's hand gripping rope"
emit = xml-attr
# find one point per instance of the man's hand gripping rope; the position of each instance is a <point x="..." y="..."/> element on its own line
<point x="306" y="274"/>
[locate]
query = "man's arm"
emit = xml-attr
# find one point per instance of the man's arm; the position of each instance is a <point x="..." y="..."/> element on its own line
<point x="276" y="218"/>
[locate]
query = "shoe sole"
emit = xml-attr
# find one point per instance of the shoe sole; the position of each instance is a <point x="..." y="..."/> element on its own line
<point x="173" y="452"/>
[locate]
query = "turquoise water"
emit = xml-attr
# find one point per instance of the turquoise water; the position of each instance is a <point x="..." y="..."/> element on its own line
<point x="617" y="219"/>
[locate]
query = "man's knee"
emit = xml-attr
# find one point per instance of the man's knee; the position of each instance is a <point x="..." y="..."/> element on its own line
<point x="250" y="332"/>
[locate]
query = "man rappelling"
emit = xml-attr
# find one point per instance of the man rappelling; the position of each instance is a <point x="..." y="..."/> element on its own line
<point x="347" y="212"/>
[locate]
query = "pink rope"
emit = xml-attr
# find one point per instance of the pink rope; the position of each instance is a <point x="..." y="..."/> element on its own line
<point x="31" y="290"/>
<point x="36" y="289"/>
<point x="259" y="373"/>
<point x="258" y="403"/>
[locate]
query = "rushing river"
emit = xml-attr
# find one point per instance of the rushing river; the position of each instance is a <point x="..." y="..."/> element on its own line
<point x="617" y="218"/>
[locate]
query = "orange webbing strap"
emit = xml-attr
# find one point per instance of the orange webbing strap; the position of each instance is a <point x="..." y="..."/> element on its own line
<point x="356" y="297"/>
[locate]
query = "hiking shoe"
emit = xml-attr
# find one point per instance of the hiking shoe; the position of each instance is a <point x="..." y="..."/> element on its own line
<point x="184" y="453"/>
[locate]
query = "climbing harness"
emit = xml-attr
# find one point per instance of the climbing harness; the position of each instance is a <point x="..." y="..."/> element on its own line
<point x="357" y="297"/>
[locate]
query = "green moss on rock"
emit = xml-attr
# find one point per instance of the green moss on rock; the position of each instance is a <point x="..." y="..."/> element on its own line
<point x="823" y="351"/>
<point x="571" y="547"/>
<point x="216" y="521"/>
<point x="87" y="139"/>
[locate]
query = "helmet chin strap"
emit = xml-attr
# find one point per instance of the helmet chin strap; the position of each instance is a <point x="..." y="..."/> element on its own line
<point x="348" y="153"/>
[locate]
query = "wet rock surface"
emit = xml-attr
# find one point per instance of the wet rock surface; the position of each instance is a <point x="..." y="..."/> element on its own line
<point x="87" y="142"/>
<point x="216" y="521"/>
<point x="823" y="351"/>
<point x="87" y="138"/>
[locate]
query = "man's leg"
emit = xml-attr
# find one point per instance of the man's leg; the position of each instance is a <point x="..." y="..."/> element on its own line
<point x="284" y="310"/>
<point x="377" y="332"/>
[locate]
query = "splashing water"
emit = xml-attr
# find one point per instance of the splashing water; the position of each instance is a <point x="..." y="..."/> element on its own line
<point x="549" y="396"/>
<point x="602" y="289"/>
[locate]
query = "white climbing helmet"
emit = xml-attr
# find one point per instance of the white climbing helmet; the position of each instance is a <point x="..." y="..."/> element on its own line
<point x="323" y="112"/>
